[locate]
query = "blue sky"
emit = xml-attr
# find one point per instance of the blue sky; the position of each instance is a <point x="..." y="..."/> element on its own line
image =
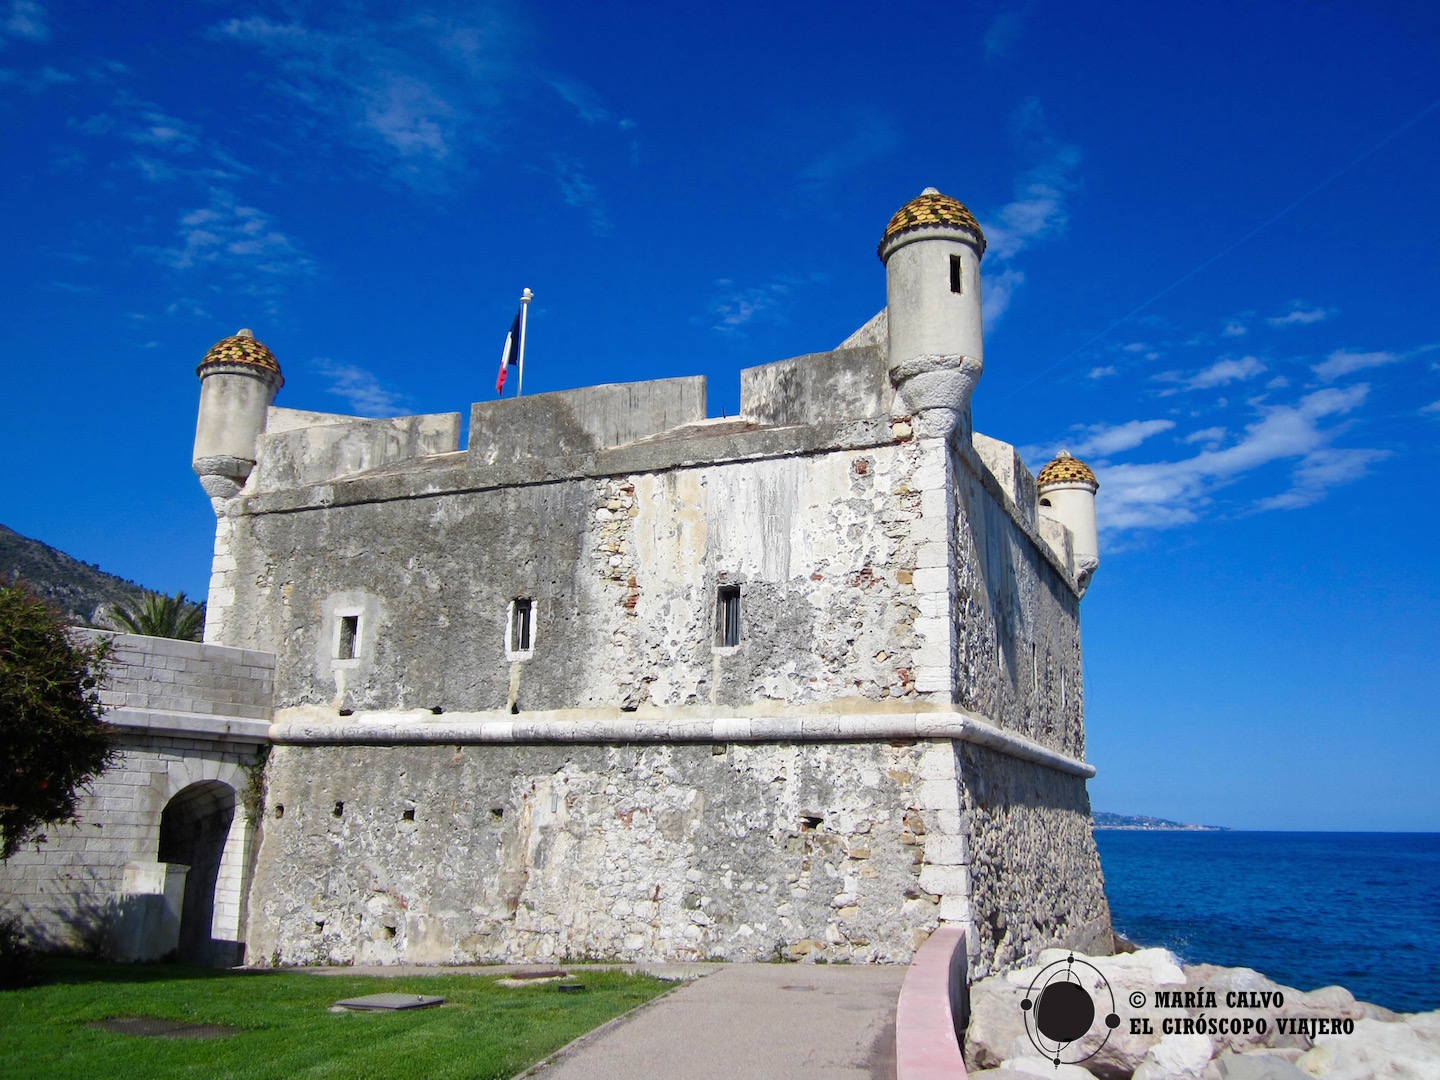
<point x="1211" y="274"/>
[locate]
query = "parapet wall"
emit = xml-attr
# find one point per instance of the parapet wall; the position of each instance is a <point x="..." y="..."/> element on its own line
<point x="161" y="674"/>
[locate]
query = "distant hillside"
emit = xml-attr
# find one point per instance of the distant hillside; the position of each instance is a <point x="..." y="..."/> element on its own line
<point x="76" y="588"/>
<point x="1104" y="820"/>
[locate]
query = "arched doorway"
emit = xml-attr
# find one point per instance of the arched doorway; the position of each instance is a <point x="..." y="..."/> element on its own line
<point x="193" y="829"/>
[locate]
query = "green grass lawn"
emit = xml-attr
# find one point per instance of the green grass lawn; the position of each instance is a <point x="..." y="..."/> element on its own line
<point x="483" y="1030"/>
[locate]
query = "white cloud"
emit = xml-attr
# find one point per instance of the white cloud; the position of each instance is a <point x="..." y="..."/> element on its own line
<point x="1004" y="31"/>
<point x="241" y="239"/>
<point x="868" y="136"/>
<point x="999" y="290"/>
<point x="1234" y="329"/>
<point x="1344" y="362"/>
<point x="1226" y="371"/>
<point x="1038" y="210"/>
<point x="1279" y="382"/>
<point x="733" y="310"/>
<point x="1433" y="407"/>
<point x="1170" y="493"/>
<point x="580" y="194"/>
<point x="23" y="19"/>
<point x="420" y="90"/>
<point x="1102" y="372"/>
<point x="1300" y="316"/>
<point x="360" y="388"/>
<point x="1205" y="435"/>
<point x="1318" y="472"/>
<point x="1099" y="441"/>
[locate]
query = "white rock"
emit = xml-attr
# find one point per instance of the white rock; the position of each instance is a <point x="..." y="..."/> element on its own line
<point x="1375" y="1051"/>
<point x="1038" y="1066"/>
<point x="1176" y="1057"/>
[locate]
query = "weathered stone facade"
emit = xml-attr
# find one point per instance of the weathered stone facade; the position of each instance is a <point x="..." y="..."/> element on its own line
<point x="620" y="681"/>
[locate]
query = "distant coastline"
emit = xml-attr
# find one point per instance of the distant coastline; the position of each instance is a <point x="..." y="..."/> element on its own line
<point x="1140" y="823"/>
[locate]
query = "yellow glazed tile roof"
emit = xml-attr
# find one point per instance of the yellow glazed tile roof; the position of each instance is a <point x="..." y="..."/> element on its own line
<point x="932" y="208"/>
<point x="1066" y="470"/>
<point x="242" y="348"/>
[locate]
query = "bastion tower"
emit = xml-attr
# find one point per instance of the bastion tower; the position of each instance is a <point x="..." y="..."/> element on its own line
<point x="238" y="380"/>
<point x="1067" y="488"/>
<point x="931" y="250"/>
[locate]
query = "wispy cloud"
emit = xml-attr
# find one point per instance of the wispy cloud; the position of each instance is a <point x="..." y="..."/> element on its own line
<point x="734" y="310"/>
<point x="24" y="19"/>
<point x="580" y="194"/>
<point x="1299" y="315"/>
<point x="1037" y="212"/>
<point x="1102" y="372"/>
<point x="1005" y="29"/>
<point x="867" y="136"/>
<point x="1225" y="371"/>
<point x="1099" y="441"/>
<point x="1206" y="435"/>
<point x="419" y="90"/>
<point x="228" y="236"/>
<point x="1234" y="328"/>
<point x="360" y="389"/>
<point x="1433" y="407"/>
<point x="1344" y="362"/>
<point x="1171" y="493"/>
<point x="999" y="291"/>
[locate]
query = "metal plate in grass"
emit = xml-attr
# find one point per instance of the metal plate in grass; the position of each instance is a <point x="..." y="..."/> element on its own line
<point x="389" y="1002"/>
<point x="154" y="1027"/>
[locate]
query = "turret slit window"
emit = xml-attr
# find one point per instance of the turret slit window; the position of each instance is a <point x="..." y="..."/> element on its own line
<point x="957" y="274"/>
<point x="520" y="633"/>
<point x="727" y="616"/>
<point x="349" y="635"/>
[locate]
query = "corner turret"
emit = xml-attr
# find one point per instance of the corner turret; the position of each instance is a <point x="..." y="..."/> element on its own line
<point x="238" y="380"/>
<point x="1067" y="487"/>
<point x="931" y="250"/>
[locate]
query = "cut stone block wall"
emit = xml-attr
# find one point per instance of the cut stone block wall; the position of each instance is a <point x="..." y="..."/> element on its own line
<point x="184" y="714"/>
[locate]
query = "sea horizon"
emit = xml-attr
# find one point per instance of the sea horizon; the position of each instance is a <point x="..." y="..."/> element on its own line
<point x="1306" y="908"/>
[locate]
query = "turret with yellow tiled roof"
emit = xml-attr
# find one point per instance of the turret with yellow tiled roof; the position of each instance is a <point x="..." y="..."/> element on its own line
<point x="1066" y="487"/>
<point x="238" y="380"/>
<point x="1065" y="469"/>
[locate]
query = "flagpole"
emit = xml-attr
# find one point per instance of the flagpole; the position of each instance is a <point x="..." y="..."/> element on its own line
<point x="525" y="298"/>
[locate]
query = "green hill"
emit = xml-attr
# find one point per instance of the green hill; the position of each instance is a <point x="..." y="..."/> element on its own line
<point x="79" y="589"/>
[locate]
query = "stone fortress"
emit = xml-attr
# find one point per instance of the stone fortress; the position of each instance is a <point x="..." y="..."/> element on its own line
<point x="616" y="680"/>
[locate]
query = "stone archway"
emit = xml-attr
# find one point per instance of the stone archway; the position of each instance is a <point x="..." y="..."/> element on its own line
<point x="194" y="829"/>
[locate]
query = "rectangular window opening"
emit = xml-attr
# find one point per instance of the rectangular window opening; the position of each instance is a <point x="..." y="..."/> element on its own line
<point x="522" y="615"/>
<point x="349" y="633"/>
<point x="727" y="616"/>
<point x="957" y="274"/>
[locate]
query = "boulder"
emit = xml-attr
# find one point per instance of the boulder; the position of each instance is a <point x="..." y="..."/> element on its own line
<point x="1374" y="1051"/>
<point x="1032" y="1066"/>
<point x="1258" y="1067"/>
<point x="996" y="1032"/>
<point x="1176" y="1057"/>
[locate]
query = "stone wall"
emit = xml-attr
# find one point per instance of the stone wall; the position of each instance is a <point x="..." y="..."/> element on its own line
<point x="458" y="854"/>
<point x="1035" y="877"/>
<point x="185" y="714"/>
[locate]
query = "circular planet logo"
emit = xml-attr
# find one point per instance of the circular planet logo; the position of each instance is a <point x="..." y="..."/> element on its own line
<point x="1059" y="1011"/>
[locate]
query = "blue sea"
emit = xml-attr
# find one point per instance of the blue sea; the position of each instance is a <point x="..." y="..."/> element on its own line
<point x="1360" y="910"/>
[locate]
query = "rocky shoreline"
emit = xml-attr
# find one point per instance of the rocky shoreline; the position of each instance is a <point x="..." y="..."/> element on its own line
<point x="1193" y="1022"/>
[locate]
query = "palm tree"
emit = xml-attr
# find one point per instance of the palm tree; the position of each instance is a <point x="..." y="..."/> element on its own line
<point x="161" y="616"/>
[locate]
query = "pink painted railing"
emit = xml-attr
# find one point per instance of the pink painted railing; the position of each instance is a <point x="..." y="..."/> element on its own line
<point x="929" y="1019"/>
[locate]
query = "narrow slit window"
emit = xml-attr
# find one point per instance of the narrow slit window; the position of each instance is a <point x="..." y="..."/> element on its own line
<point x="349" y="634"/>
<point x="957" y="274"/>
<point x="727" y="616"/>
<point x="522" y="617"/>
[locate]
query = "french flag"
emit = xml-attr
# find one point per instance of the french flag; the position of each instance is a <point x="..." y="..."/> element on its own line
<point x="511" y="356"/>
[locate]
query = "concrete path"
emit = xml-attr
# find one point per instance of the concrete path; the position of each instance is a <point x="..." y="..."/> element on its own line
<point x="750" y="1022"/>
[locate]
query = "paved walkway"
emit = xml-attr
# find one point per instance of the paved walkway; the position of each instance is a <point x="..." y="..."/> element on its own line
<point x="750" y="1022"/>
